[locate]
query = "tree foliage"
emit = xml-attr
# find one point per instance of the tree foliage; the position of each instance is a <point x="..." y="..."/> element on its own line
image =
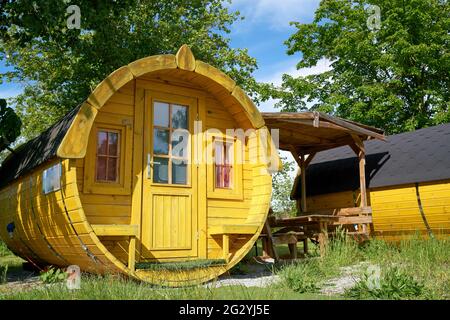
<point x="396" y="78"/>
<point x="60" y="66"/>
<point x="10" y="125"/>
<point x="282" y="182"/>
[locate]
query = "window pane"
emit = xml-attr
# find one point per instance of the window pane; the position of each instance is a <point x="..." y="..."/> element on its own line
<point x="113" y="143"/>
<point x="223" y="164"/>
<point x="179" y="116"/>
<point x="161" y="170"/>
<point x="101" y="168"/>
<point x="112" y="169"/>
<point x="160" y="141"/>
<point x="179" y="172"/>
<point x="218" y="149"/>
<point x="102" y="143"/>
<point x="161" y="114"/>
<point x="228" y="155"/>
<point x="226" y="176"/>
<point x="219" y="178"/>
<point x="180" y="143"/>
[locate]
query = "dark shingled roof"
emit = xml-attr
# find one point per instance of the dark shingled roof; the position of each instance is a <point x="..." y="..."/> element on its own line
<point x="36" y="151"/>
<point x="418" y="156"/>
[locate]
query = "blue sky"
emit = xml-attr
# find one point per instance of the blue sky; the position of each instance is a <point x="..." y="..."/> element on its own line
<point x="265" y="28"/>
<point x="263" y="32"/>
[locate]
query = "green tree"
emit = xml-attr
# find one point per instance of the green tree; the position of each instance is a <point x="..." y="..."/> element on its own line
<point x="10" y="125"/>
<point x="282" y="182"/>
<point x="60" y="66"/>
<point x="396" y="77"/>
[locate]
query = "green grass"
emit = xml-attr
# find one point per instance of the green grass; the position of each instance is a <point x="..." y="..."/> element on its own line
<point x="117" y="288"/>
<point x="392" y="284"/>
<point x="4" y="251"/>
<point x="413" y="269"/>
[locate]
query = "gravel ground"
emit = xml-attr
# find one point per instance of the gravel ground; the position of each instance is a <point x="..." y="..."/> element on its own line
<point x="245" y="280"/>
<point x="349" y="277"/>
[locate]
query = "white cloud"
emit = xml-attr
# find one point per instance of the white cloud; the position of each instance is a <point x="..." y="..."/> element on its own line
<point x="277" y="13"/>
<point x="291" y="69"/>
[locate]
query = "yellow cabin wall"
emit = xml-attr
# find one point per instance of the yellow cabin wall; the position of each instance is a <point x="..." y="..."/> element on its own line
<point x="346" y="199"/>
<point x="395" y="210"/>
<point x="101" y="208"/>
<point x="225" y="211"/>
<point x="52" y="228"/>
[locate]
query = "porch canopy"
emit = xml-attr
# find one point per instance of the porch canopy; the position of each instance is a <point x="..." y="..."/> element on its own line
<point x="306" y="133"/>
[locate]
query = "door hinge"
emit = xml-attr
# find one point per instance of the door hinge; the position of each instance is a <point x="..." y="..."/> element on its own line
<point x="197" y="117"/>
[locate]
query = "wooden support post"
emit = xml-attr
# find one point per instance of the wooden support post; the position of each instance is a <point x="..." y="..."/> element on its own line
<point x="226" y="246"/>
<point x="323" y="237"/>
<point x="265" y="247"/>
<point x="305" y="246"/>
<point x="270" y="247"/>
<point x="296" y="155"/>
<point x="302" y="164"/>
<point x="293" y="250"/>
<point x="132" y="254"/>
<point x="362" y="178"/>
<point x="360" y="151"/>
<point x="303" y="177"/>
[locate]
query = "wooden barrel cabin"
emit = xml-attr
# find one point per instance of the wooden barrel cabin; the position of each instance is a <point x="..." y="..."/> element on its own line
<point x="144" y="178"/>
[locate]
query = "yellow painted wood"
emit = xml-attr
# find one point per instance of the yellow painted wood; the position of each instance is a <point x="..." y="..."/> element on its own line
<point x="226" y="246"/>
<point x="214" y="74"/>
<point x="395" y="210"/>
<point x="234" y="229"/>
<point x="201" y="174"/>
<point x="132" y="254"/>
<point x="109" y="86"/>
<point x="170" y="216"/>
<point x="123" y="126"/>
<point x="152" y="64"/>
<point x="249" y="107"/>
<point x="185" y="59"/>
<point x="115" y="229"/>
<point x="236" y="191"/>
<point x="138" y="162"/>
<point x="75" y="141"/>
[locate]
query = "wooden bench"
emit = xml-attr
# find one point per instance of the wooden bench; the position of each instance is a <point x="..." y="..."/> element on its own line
<point x="227" y="229"/>
<point x="120" y="230"/>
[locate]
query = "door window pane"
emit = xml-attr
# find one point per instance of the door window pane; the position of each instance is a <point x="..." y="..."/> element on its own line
<point x="170" y="143"/>
<point x="161" y="114"/>
<point x="180" y="143"/>
<point x="160" y="141"/>
<point x="161" y="170"/>
<point x="179" y="172"/>
<point x="179" y="116"/>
